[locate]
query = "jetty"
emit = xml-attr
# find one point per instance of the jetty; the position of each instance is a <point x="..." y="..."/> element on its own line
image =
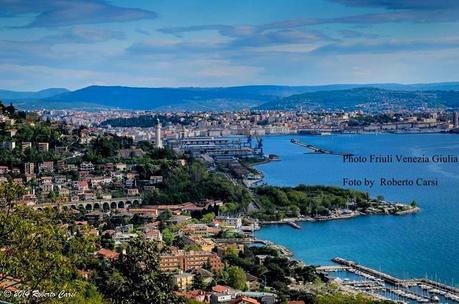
<point x="287" y="222"/>
<point x="376" y="282"/>
<point x="367" y="270"/>
<point x="317" y="149"/>
<point x="294" y="225"/>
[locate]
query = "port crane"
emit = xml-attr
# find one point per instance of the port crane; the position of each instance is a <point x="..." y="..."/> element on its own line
<point x="259" y="146"/>
<point x="317" y="149"/>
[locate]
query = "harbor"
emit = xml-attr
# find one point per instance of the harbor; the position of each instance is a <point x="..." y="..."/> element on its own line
<point x="362" y="279"/>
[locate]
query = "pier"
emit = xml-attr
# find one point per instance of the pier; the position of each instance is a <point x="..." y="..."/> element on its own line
<point x="377" y="274"/>
<point x="317" y="149"/>
<point x="287" y="222"/>
<point x="376" y="283"/>
<point x="332" y="268"/>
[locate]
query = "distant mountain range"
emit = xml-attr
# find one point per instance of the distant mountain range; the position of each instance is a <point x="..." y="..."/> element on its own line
<point x="336" y="96"/>
<point x="14" y="95"/>
<point x="370" y="99"/>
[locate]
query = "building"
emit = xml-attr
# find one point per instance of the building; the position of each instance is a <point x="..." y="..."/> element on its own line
<point x="217" y="298"/>
<point x="224" y="248"/>
<point x="183" y="280"/>
<point x="245" y="300"/>
<point x="196" y="230"/>
<point x="9" y="145"/>
<point x="231" y="222"/>
<point x="43" y="146"/>
<point x="47" y="166"/>
<point x="107" y="254"/>
<point x="158" y="140"/>
<point x="153" y="235"/>
<point x="3" y="170"/>
<point x="121" y="237"/>
<point x="185" y="261"/>
<point x="29" y="168"/>
<point x="132" y="192"/>
<point x="26" y="145"/>
<point x="197" y="295"/>
<point x="204" y="244"/>
<point x="87" y="166"/>
<point x="155" y="180"/>
<point x="121" y="166"/>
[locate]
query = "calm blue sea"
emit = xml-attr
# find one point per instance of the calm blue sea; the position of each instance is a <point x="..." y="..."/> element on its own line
<point x="421" y="245"/>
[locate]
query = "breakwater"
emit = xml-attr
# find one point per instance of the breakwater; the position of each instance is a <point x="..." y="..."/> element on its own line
<point x="377" y="283"/>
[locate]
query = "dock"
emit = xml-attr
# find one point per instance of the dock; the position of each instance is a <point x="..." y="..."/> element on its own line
<point x="367" y="270"/>
<point x="375" y="282"/>
<point x="294" y="225"/>
<point x="317" y="149"/>
<point x="332" y="268"/>
<point x="290" y="223"/>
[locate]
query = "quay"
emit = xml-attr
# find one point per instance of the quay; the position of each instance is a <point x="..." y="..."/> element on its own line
<point x="287" y="222"/>
<point x="317" y="149"/>
<point x="376" y="281"/>
<point x="380" y="275"/>
<point x="294" y="225"/>
<point x="332" y="268"/>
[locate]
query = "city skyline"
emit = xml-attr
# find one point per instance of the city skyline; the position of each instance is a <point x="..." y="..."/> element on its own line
<point x="74" y="44"/>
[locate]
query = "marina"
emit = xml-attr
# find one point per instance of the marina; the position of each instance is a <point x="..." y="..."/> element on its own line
<point x="381" y="285"/>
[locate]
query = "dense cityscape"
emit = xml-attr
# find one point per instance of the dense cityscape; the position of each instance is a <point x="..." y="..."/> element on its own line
<point x="186" y="186"/>
<point x="229" y="152"/>
<point x="140" y="125"/>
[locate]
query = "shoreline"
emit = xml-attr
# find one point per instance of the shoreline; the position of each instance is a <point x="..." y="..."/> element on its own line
<point x="411" y="210"/>
<point x="359" y="133"/>
<point x="288" y="221"/>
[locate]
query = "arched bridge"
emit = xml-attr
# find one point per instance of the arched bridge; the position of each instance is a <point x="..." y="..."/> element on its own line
<point x="93" y="205"/>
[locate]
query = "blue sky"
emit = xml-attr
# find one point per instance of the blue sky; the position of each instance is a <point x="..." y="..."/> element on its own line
<point x="75" y="43"/>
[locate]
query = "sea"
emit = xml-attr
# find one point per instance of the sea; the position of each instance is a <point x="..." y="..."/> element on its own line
<point x="422" y="245"/>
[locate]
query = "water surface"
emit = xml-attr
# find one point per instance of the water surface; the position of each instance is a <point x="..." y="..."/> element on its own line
<point x="421" y="245"/>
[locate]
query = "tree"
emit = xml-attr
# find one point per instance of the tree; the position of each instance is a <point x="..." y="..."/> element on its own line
<point x="237" y="278"/>
<point x="165" y="215"/>
<point x="10" y="109"/>
<point x="413" y="204"/>
<point x="38" y="251"/>
<point x="168" y="236"/>
<point x="208" y="217"/>
<point x="135" y="277"/>
<point x="9" y="193"/>
<point x="198" y="282"/>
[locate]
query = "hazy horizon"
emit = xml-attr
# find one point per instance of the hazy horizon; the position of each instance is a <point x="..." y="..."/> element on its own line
<point x="241" y="85"/>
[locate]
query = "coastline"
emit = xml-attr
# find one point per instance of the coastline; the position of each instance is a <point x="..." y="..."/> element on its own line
<point x="288" y="221"/>
<point x="412" y="210"/>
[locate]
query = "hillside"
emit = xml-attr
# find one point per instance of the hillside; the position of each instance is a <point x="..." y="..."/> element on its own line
<point x="370" y="99"/>
<point x="196" y="99"/>
<point x="16" y="95"/>
<point x="334" y="96"/>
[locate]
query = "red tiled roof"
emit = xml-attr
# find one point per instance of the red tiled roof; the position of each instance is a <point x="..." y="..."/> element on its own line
<point x="107" y="253"/>
<point x="246" y="300"/>
<point x="220" y="288"/>
<point x="152" y="232"/>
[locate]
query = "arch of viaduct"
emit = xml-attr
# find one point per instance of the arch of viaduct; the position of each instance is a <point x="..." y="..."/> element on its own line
<point x="101" y="205"/>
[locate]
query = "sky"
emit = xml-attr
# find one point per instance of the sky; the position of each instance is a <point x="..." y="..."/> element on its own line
<point x="167" y="43"/>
